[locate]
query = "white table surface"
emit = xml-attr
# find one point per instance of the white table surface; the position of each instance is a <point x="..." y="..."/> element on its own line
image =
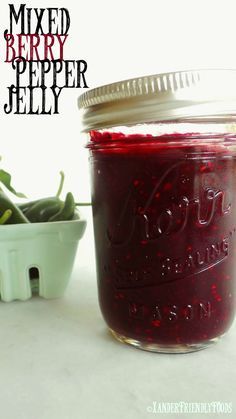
<point x="59" y="362"/>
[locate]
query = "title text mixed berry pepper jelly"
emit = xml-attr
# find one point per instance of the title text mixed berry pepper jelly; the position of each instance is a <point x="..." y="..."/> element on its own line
<point x="163" y="161"/>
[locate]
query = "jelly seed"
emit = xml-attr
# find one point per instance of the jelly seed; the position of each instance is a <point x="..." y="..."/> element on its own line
<point x="119" y="296"/>
<point x="158" y="195"/>
<point x="143" y="242"/>
<point x="156" y="323"/>
<point x="136" y="182"/>
<point x="167" y="186"/>
<point x="140" y="210"/>
<point x="203" y="168"/>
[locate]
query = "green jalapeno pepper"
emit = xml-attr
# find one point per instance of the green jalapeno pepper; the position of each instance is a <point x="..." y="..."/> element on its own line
<point x="67" y="211"/>
<point x="43" y="209"/>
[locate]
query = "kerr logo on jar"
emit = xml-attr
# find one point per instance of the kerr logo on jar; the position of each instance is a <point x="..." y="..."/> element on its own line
<point x="196" y="261"/>
<point x="172" y="213"/>
<point x="160" y="313"/>
<point x="170" y="269"/>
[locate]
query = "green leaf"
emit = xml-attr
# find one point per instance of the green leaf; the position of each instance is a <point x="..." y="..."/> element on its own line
<point x="5" y="179"/>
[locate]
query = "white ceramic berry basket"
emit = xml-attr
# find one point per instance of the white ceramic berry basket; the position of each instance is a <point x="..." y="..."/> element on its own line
<point x="47" y="249"/>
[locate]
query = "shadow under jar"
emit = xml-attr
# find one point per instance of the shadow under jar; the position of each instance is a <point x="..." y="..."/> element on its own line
<point x="163" y="166"/>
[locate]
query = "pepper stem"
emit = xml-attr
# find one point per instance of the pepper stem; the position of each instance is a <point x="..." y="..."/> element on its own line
<point x="83" y="204"/>
<point x="5" y="217"/>
<point x="61" y="184"/>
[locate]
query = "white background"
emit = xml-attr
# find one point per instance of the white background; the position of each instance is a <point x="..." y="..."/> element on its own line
<point x="57" y="360"/>
<point x="119" y="40"/>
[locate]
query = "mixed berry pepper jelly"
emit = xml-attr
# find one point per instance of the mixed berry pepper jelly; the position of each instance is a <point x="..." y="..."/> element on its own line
<point x="163" y="162"/>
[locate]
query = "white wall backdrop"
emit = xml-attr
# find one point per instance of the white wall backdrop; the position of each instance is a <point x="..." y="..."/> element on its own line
<point x="118" y="39"/>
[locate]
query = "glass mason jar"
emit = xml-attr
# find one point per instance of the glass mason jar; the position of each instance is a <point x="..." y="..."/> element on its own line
<point x="163" y="164"/>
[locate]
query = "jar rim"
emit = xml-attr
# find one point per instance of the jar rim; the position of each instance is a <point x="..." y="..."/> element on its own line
<point x="161" y="97"/>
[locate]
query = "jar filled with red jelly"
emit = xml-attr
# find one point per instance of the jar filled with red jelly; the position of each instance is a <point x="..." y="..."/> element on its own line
<point x="163" y="169"/>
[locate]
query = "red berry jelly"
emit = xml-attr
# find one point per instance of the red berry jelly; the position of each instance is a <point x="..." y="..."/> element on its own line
<point x="165" y="228"/>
